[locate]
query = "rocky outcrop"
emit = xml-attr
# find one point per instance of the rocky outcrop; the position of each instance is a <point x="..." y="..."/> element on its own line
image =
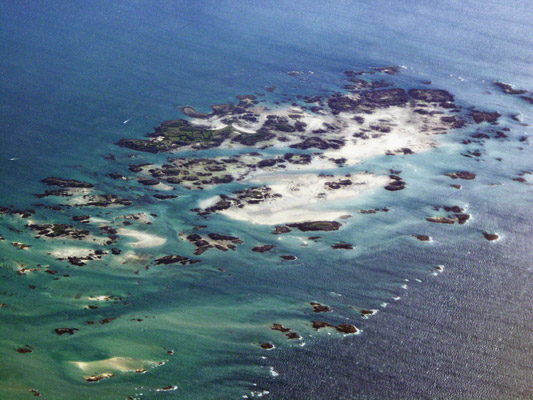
<point x="490" y="236"/>
<point x="342" y="328"/>
<point x="484" y="116"/>
<point x="316" y="226"/>
<point x="462" y="175"/>
<point x="509" y="89"/>
<point x="65" y="183"/>
<point x="63" y="331"/>
<point x="264" y="248"/>
<point x="173" y="259"/>
<point x="396" y="183"/>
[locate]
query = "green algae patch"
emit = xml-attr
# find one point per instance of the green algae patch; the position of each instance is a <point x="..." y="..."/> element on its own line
<point x="178" y="133"/>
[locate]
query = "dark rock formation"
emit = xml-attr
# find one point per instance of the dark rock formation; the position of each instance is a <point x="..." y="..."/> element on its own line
<point x="431" y="95"/>
<point x="81" y="218"/>
<point x="317" y="307"/>
<point x="483" y="116"/>
<point x="66" y="183"/>
<point x="422" y="238"/>
<point x="441" y="220"/>
<point x="461" y="175"/>
<point x="396" y="183"/>
<point x="59" y="230"/>
<point x="173" y="259"/>
<point x="62" y="331"/>
<point x="391" y="69"/>
<point x="385" y="98"/>
<point x="264" y="248"/>
<point x="490" y="236"/>
<point x="343" y="246"/>
<point x="343" y="328"/>
<point x="346" y="329"/>
<point x="179" y="133"/>
<point x="316" y="226"/>
<point x="317" y="143"/>
<point x="190" y="111"/>
<point x="160" y="196"/>
<point x="281" y="229"/>
<point x="280" y="328"/>
<point x="509" y="89"/>
<point x="26" y="349"/>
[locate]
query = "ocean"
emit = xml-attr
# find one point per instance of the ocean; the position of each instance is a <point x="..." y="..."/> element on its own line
<point x="76" y="77"/>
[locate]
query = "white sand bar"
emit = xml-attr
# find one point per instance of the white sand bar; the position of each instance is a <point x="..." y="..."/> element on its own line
<point x="144" y="240"/>
<point x="302" y="197"/>
<point x="122" y="364"/>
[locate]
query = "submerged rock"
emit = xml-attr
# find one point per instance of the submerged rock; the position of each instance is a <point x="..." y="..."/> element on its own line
<point x="442" y="220"/>
<point x="391" y="69"/>
<point x="342" y="246"/>
<point x="62" y="331"/>
<point x="422" y="238"/>
<point x="160" y="196"/>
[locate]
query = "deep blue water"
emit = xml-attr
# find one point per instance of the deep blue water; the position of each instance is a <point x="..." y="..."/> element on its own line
<point x="72" y="72"/>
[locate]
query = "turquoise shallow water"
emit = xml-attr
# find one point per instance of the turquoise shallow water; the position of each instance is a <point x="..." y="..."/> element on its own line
<point x="72" y="73"/>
